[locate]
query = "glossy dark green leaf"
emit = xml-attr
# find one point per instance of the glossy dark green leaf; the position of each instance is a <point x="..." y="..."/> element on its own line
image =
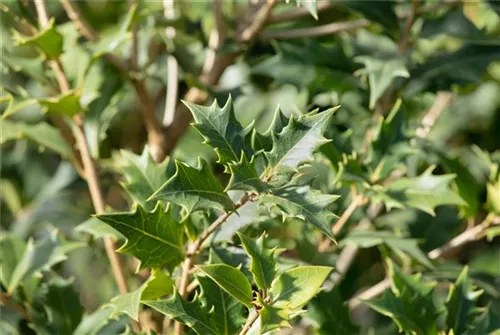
<point x="220" y="130"/>
<point x="304" y="203"/>
<point x="231" y="280"/>
<point x="153" y="237"/>
<point x="227" y="311"/>
<point x="297" y="142"/>
<point x="194" y="189"/>
<point x="192" y="314"/>
<point x="262" y="265"/>
<point x="461" y="303"/>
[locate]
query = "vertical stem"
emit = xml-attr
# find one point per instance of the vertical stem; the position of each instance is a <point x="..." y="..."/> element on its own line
<point x="88" y="163"/>
<point x="172" y="67"/>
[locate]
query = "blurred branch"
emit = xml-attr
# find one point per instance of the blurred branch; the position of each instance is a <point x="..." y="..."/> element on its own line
<point x="213" y="68"/>
<point x="6" y="300"/>
<point x="172" y="67"/>
<point x="327" y="29"/>
<point x="156" y="134"/>
<point x="88" y="163"/>
<point x="299" y="12"/>
<point x="467" y="236"/>
<point x="442" y="101"/>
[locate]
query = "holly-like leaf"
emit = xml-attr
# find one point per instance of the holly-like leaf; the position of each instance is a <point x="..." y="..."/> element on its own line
<point x="220" y="130"/>
<point x="192" y="314"/>
<point x="304" y="203"/>
<point x="143" y="176"/>
<point x="67" y="104"/>
<point x="61" y="306"/>
<point x="409" y="304"/>
<point x="231" y="280"/>
<point x="297" y="142"/>
<point x="48" y="40"/>
<point x="461" y="303"/>
<point x="157" y="286"/>
<point x="227" y="311"/>
<point x="368" y="239"/>
<point x="194" y="189"/>
<point x="40" y="256"/>
<point x="98" y="229"/>
<point x="297" y="286"/>
<point x="262" y="265"/>
<point x="244" y="176"/>
<point x="43" y="134"/>
<point x="273" y="317"/>
<point x="424" y="192"/>
<point x="153" y="237"/>
<point x="381" y="73"/>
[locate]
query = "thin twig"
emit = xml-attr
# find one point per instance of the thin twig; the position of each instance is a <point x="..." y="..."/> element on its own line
<point x="172" y="67"/>
<point x="6" y="300"/>
<point x="327" y="29"/>
<point x="74" y="14"/>
<point x="88" y="163"/>
<point x="298" y="13"/>
<point x="460" y="240"/>
<point x="250" y="321"/>
<point x="197" y="246"/>
<point x="442" y="101"/>
<point x="404" y="41"/>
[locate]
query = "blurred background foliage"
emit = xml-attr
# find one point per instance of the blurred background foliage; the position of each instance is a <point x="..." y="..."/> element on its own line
<point x="423" y="53"/>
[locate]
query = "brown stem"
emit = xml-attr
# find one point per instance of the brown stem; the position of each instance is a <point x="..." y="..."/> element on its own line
<point x="88" y="163"/>
<point x="467" y="236"/>
<point x="172" y="68"/>
<point x="196" y="247"/>
<point x="6" y="300"/>
<point x="327" y="29"/>
<point x="250" y="321"/>
<point x="74" y="14"/>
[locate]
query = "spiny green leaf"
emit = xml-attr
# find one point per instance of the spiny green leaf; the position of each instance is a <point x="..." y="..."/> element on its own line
<point x="273" y="317"/>
<point x="67" y="104"/>
<point x="192" y="314"/>
<point x="262" y="265"/>
<point x="461" y="303"/>
<point x="98" y="229"/>
<point x="244" y="176"/>
<point x="297" y="286"/>
<point x="153" y="237"/>
<point x="368" y="239"/>
<point x="227" y="311"/>
<point x="143" y="176"/>
<point x="381" y="73"/>
<point x="424" y="192"/>
<point x="43" y="134"/>
<point x="48" y="40"/>
<point x="194" y="189"/>
<point x="220" y="129"/>
<point x="297" y="141"/>
<point x="304" y="203"/>
<point x="231" y="280"/>
<point x="264" y="141"/>
<point x="157" y="286"/>
<point x="15" y="103"/>
<point x="61" y="303"/>
<point x="40" y="256"/>
<point x="409" y="304"/>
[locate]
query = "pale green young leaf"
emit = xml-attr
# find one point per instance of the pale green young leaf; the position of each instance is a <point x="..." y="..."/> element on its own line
<point x="194" y="189"/>
<point x="98" y="229"/>
<point x="42" y="134"/>
<point x="66" y="104"/>
<point x="461" y="303"/>
<point x="157" y="286"/>
<point x="304" y="203"/>
<point x="192" y="314"/>
<point x="297" y="286"/>
<point x="262" y="265"/>
<point x="48" y="40"/>
<point x="220" y="130"/>
<point x="227" y="312"/>
<point x="143" y="176"/>
<point x="425" y="192"/>
<point x="230" y="279"/>
<point x="381" y="73"/>
<point x="153" y="237"/>
<point x="297" y="141"/>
